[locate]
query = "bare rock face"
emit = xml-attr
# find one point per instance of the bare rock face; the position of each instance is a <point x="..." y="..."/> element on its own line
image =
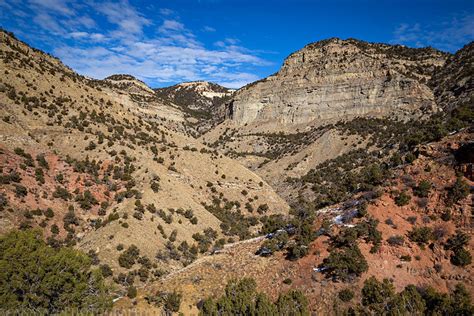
<point x="335" y="79"/>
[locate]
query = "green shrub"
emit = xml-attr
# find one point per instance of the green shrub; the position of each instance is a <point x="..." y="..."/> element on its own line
<point x="422" y="189"/>
<point x="375" y="292"/>
<point x="421" y="235"/>
<point x="155" y="186"/>
<point x="459" y="240"/>
<point x="287" y="281"/>
<point x="458" y="192"/>
<point x="132" y="292"/>
<point x="54" y="229"/>
<point x="86" y="200"/>
<point x="39" y="175"/>
<point x="128" y="258"/>
<point x="412" y="219"/>
<point x="292" y="303"/>
<point x="12" y="177"/>
<point x="346" y="295"/>
<point x="241" y="298"/>
<point x="402" y="199"/>
<point x="42" y="161"/>
<point x="461" y="257"/>
<point x="396" y="240"/>
<point x="3" y="201"/>
<point x="49" y="213"/>
<point x="70" y="218"/>
<point x="262" y="208"/>
<point x="62" y="276"/>
<point x="62" y="193"/>
<point x="406" y="258"/>
<point x="342" y="264"/>
<point x="20" y="191"/>
<point x="173" y="302"/>
<point x="105" y="270"/>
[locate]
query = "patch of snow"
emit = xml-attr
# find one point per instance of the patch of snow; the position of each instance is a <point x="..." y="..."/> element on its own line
<point x="319" y="269"/>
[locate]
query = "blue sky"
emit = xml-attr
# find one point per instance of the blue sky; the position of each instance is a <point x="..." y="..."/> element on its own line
<point x="231" y="42"/>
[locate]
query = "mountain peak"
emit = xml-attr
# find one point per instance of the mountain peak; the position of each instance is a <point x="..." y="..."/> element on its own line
<point x="128" y="83"/>
<point x="118" y="77"/>
<point x="194" y="94"/>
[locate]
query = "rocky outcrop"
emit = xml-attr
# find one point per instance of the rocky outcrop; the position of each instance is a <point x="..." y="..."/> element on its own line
<point x="336" y="79"/>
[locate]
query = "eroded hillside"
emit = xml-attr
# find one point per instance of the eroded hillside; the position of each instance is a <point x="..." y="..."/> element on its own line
<point x="370" y="144"/>
<point x="103" y="165"/>
<point x="338" y="106"/>
<point x="407" y="230"/>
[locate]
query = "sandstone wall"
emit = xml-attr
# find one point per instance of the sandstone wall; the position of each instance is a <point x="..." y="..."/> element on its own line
<point x="340" y="79"/>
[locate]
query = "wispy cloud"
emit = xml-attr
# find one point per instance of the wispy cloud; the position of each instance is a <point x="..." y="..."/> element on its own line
<point x="166" y="11"/>
<point x="85" y="36"/>
<point x="171" y="26"/>
<point x="129" y="21"/>
<point x="100" y="38"/>
<point x="208" y="28"/>
<point x="448" y="35"/>
<point x="58" y="6"/>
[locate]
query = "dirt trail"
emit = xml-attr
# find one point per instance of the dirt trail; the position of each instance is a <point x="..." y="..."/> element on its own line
<point x="199" y="261"/>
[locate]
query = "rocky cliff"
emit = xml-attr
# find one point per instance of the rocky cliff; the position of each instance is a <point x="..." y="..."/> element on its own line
<point x="336" y="79"/>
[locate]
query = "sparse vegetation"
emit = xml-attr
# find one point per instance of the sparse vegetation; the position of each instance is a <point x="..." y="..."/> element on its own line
<point x="242" y="298"/>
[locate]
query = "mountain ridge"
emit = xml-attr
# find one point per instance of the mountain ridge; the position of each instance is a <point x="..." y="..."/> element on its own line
<point x="169" y="199"/>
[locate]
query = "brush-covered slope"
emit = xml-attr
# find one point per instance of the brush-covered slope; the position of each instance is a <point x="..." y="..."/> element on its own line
<point x="453" y="84"/>
<point x="414" y="228"/>
<point x="201" y="101"/>
<point x="101" y="165"/>
<point x="309" y="160"/>
<point x="195" y="95"/>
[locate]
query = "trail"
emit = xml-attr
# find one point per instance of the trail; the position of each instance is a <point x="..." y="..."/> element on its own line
<point x="224" y="250"/>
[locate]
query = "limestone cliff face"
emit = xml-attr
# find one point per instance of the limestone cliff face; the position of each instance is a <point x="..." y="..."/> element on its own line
<point x="335" y="79"/>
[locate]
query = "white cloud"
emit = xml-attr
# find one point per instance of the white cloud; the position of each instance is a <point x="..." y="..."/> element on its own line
<point x="171" y="26"/>
<point x="97" y="37"/>
<point x="59" y="6"/>
<point x="85" y="36"/>
<point x="449" y="35"/>
<point x="158" y="62"/>
<point x="85" y="21"/>
<point x="129" y="21"/>
<point x="208" y="28"/>
<point x="77" y="35"/>
<point x="46" y="22"/>
<point x="165" y="11"/>
<point x="131" y="43"/>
